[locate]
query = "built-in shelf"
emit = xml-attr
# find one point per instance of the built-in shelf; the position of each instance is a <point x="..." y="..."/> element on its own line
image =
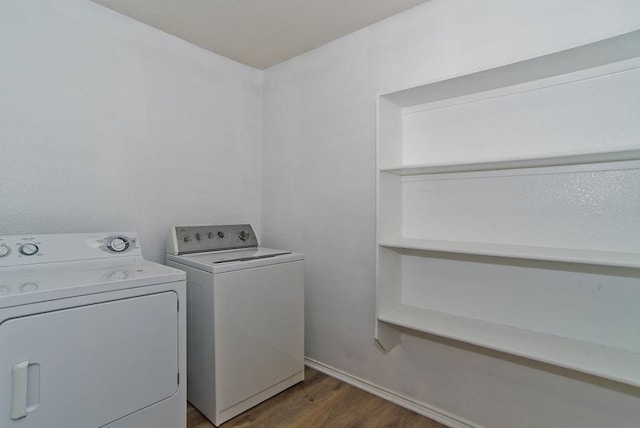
<point x="536" y="162"/>
<point x="609" y="363"/>
<point x="567" y="122"/>
<point x="566" y="255"/>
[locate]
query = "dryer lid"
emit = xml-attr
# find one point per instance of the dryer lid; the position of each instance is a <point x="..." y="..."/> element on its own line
<point x="21" y="285"/>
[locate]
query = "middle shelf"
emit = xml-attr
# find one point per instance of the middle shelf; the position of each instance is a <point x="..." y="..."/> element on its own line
<point x="575" y="213"/>
<point x="611" y="155"/>
<point x="567" y="255"/>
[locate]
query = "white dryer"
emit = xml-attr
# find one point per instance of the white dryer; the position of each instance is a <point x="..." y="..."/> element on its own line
<point x="245" y="323"/>
<point x="91" y="334"/>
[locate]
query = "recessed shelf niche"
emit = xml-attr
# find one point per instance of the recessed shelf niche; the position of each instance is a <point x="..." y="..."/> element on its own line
<point x="507" y="209"/>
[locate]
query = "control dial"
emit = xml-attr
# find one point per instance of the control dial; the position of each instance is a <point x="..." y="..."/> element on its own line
<point x="4" y="250"/>
<point x="118" y="245"/>
<point x="243" y="235"/>
<point x="28" y="249"/>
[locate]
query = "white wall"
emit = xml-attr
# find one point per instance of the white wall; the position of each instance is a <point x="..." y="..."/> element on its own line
<point x="318" y="197"/>
<point x="108" y="124"/>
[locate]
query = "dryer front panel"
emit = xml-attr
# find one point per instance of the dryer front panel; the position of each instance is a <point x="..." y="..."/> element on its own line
<point x="87" y="366"/>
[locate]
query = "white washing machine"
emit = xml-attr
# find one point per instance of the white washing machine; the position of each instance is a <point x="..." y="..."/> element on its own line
<point x="91" y="334"/>
<point x="245" y="325"/>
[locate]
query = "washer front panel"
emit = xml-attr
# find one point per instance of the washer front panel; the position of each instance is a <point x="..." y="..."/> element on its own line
<point x="240" y="322"/>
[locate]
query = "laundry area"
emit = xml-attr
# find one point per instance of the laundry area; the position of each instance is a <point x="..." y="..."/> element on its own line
<point x="426" y="218"/>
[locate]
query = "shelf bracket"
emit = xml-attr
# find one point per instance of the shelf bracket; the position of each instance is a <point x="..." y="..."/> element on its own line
<point x="386" y="336"/>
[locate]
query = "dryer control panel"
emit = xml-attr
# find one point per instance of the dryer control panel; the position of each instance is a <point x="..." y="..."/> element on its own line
<point x="17" y="250"/>
<point x="199" y="239"/>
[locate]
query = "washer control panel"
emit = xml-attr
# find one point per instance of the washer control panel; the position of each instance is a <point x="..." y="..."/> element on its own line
<point x="198" y="239"/>
<point x="31" y="249"/>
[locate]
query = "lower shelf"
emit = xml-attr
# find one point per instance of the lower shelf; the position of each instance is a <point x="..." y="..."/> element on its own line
<point x="609" y="363"/>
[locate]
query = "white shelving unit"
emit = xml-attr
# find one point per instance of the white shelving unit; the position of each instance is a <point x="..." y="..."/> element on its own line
<point x="508" y="201"/>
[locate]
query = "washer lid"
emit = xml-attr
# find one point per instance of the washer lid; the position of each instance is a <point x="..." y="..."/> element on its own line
<point x="242" y="255"/>
<point x="230" y="260"/>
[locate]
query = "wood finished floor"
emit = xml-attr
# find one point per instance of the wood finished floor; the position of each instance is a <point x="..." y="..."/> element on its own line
<point x="321" y="401"/>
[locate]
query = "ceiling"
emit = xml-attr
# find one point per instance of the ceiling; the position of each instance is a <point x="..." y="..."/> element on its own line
<point x="259" y="33"/>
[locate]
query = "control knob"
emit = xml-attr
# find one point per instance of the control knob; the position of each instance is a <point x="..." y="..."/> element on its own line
<point x="118" y="245"/>
<point x="243" y="235"/>
<point x="4" y="250"/>
<point x="28" y="249"/>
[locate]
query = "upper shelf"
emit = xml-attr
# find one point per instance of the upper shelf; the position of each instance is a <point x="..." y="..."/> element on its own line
<point x="563" y="108"/>
<point x="535" y="162"/>
<point x="614" y="49"/>
<point x="565" y="255"/>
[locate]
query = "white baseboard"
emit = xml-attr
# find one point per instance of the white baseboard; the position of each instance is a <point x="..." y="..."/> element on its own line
<point x="408" y="403"/>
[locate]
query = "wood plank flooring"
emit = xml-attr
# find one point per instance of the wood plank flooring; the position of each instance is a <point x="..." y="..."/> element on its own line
<point x="321" y="401"/>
